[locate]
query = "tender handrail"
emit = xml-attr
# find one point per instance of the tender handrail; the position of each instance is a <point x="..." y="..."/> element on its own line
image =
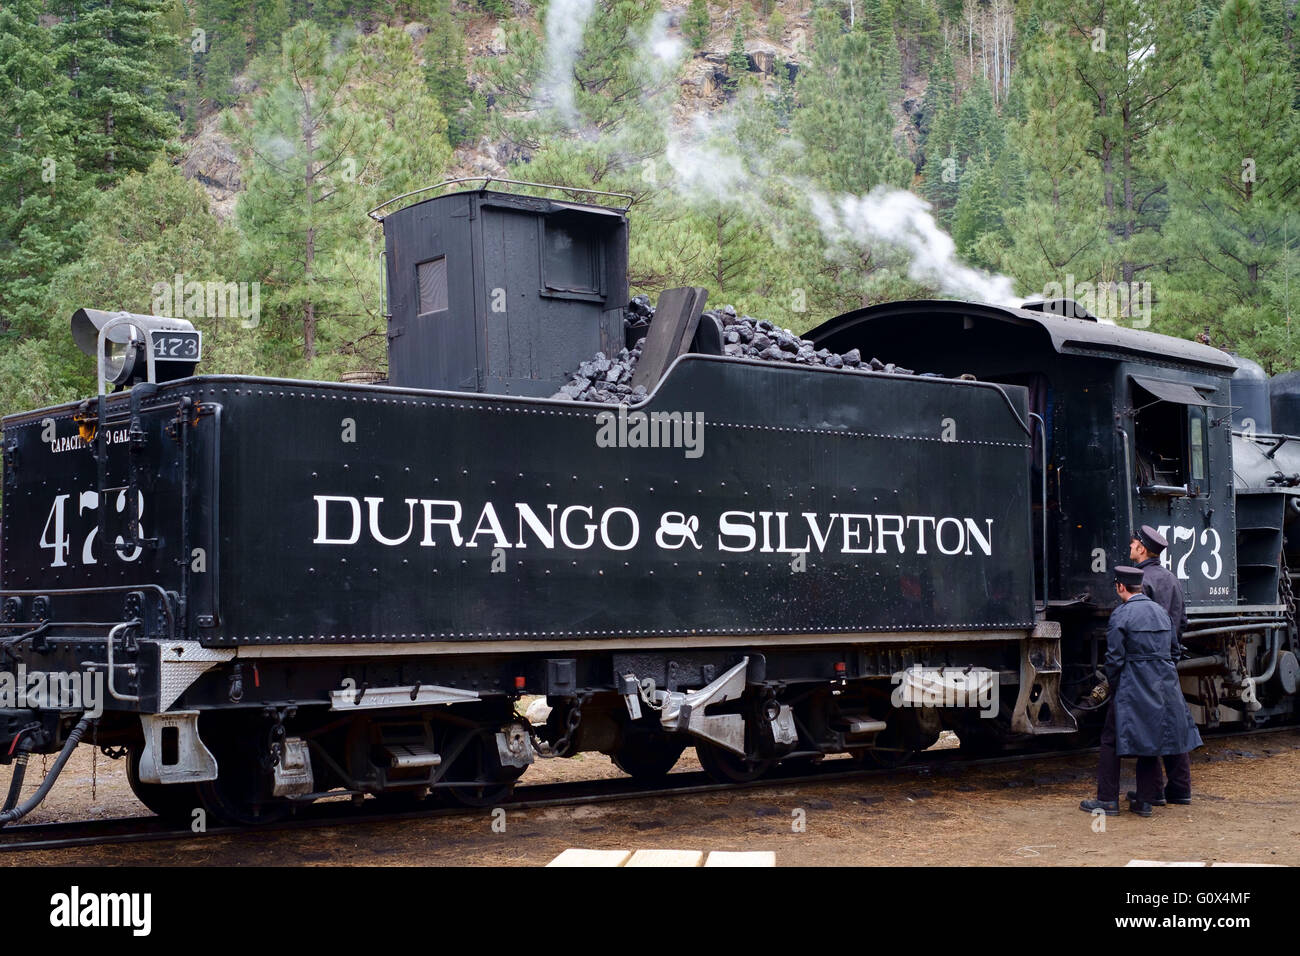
<point x="489" y="180"/>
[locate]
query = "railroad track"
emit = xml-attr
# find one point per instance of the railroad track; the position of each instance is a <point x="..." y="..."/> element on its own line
<point x="143" y="829"/>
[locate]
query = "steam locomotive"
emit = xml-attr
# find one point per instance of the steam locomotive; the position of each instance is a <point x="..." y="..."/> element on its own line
<point x="260" y="591"/>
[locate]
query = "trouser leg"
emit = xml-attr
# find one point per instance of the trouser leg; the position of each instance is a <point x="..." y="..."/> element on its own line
<point x="1178" y="768"/>
<point x="1148" y="782"/>
<point x="1108" y="760"/>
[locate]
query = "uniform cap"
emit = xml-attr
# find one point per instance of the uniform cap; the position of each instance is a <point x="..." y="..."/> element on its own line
<point x="1131" y="578"/>
<point x="1151" y="539"/>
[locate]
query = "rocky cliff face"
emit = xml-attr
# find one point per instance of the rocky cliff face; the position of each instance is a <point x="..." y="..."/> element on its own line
<point x="210" y="159"/>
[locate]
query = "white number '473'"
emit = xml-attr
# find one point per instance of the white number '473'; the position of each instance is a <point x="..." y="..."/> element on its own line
<point x="1176" y="535"/>
<point x="56" y="538"/>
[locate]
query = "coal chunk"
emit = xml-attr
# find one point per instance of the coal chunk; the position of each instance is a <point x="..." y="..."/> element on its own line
<point x="640" y="307"/>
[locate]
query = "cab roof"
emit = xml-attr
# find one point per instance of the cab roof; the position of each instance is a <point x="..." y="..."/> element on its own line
<point x="1068" y="336"/>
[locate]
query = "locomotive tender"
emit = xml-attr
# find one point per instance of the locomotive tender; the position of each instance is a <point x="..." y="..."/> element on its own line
<point x="289" y="589"/>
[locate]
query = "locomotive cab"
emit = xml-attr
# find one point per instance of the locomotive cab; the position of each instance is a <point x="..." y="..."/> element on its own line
<point x="1136" y="431"/>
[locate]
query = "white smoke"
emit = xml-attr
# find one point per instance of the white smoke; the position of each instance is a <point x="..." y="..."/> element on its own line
<point x="660" y="53"/>
<point x="708" y="167"/>
<point x="902" y="220"/>
<point x="565" y="22"/>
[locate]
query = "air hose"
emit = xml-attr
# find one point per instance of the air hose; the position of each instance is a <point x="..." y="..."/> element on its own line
<point x="20" y="771"/>
<point x="17" y="813"/>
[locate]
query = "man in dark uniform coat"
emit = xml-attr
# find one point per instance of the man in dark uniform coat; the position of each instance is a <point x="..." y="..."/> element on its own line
<point x="1162" y="586"/>
<point x="1147" y="717"/>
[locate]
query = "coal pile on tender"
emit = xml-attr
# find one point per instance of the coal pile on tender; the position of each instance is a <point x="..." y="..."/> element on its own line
<point x="608" y="379"/>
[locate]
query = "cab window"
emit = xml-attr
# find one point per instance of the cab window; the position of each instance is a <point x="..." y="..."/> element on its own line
<point x="1171" y="440"/>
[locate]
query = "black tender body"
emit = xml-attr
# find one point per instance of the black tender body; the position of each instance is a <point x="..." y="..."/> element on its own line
<point x="337" y="514"/>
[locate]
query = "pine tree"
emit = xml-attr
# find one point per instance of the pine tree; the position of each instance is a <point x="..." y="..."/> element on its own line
<point x="921" y="34"/>
<point x="979" y="225"/>
<point x="940" y="93"/>
<point x="144" y="231"/>
<point x="234" y="32"/>
<point x="619" y="105"/>
<point x="445" y="74"/>
<point x="388" y="86"/>
<point x="1282" y="22"/>
<point x="737" y="62"/>
<point x="40" y="197"/>
<point x="1059" y="228"/>
<point x="308" y="162"/>
<point x="1131" y="57"/>
<point x="977" y="128"/>
<point x="696" y="26"/>
<point x="843" y="103"/>
<point x="175" y="60"/>
<point x="608" y="85"/>
<point x="978" y="206"/>
<point x="115" y="53"/>
<point x="877" y="18"/>
<point x="941" y="174"/>
<point x="1233" y="164"/>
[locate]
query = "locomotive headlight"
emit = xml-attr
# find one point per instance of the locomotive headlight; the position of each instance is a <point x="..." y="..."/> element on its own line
<point x="134" y="346"/>
<point x="120" y="357"/>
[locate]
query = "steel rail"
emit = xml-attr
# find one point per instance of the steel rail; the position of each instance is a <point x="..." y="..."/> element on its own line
<point x="142" y="829"/>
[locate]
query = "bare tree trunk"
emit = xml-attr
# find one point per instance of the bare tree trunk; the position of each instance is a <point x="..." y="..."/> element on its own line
<point x="108" y="130"/>
<point x="309" y="252"/>
<point x="970" y="37"/>
<point x="984" y="48"/>
<point x="1129" y="226"/>
<point x="1011" y="23"/>
<point x="1108" y="175"/>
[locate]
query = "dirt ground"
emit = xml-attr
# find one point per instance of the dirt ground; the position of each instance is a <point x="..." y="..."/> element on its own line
<point x="1245" y="811"/>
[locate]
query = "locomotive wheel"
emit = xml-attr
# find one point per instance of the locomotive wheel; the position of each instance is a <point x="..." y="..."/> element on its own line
<point x="908" y="731"/>
<point x="990" y="736"/>
<point x="481" y="762"/>
<point x="727" y="767"/>
<point x="648" y="755"/>
<point x="241" y="794"/>
<point x="173" y="801"/>
<point x="235" y="798"/>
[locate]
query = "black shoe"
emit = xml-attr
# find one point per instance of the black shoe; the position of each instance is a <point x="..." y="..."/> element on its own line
<point x="1140" y="808"/>
<point x="1133" y="798"/>
<point x="1109" y="807"/>
<point x="1181" y="801"/>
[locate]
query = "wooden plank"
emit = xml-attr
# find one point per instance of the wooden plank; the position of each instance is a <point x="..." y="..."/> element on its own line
<point x="1163" y="863"/>
<point x="666" y="858"/>
<point x="676" y="318"/>
<point x="733" y="858"/>
<point x="576" y="857"/>
<point x="1246" y="864"/>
